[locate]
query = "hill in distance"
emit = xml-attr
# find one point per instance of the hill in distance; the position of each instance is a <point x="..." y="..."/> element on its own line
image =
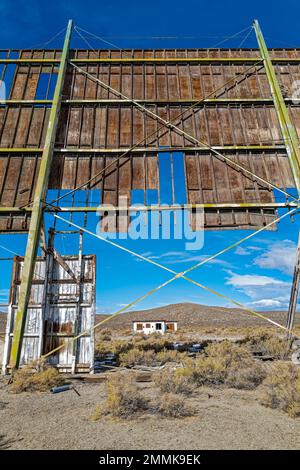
<point x="195" y="315"/>
<point x="188" y="315"/>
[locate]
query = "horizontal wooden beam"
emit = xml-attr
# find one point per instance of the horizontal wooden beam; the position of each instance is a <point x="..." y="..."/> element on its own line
<point x="209" y="101"/>
<point x="173" y="102"/>
<point x="212" y="101"/>
<point x="24" y="102"/>
<point x="141" y="150"/>
<point x="203" y="60"/>
<point x="29" y="61"/>
<point x="153" y="60"/>
<point x="154" y="207"/>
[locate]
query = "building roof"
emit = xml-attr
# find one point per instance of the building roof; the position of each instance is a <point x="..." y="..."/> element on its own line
<point x="154" y="321"/>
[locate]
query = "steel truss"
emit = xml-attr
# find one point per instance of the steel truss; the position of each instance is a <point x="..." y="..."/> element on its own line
<point x="38" y="206"/>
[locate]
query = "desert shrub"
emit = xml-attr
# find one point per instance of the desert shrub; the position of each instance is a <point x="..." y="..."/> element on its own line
<point x="125" y="332"/>
<point x="104" y="334"/>
<point x="168" y="355"/>
<point x="228" y="351"/>
<point x="33" y="378"/>
<point x="124" y="399"/>
<point x="116" y="347"/>
<point x="149" y="357"/>
<point x="174" y="381"/>
<point x="139" y="337"/>
<point x="153" y="342"/>
<point x="209" y="370"/>
<point x="102" y="348"/>
<point x="225" y="363"/>
<point x="139" y="342"/>
<point x="281" y="389"/>
<point x="137" y="356"/>
<point x="248" y="377"/>
<point x="119" y="346"/>
<point x="173" y="406"/>
<point x="267" y="343"/>
<point x="97" y="413"/>
<point x="234" y="365"/>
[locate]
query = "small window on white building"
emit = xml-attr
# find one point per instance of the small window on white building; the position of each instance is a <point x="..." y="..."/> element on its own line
<point x="158" y="326"/>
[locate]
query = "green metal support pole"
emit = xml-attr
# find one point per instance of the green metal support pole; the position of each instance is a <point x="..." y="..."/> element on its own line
<point x="38" y="207"/>
<point x="287" y="128"/>
<point x="294" y="293"/>
<point x="293" y="152"/>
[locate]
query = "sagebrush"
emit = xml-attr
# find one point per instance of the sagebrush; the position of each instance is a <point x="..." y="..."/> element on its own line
<point x="225" y="363"/>
<point x="173" y="406"/>
<point x="267" y="343"/>
<point x="36" y="378"/>
<point x="174" y="381"/>
<point x="124" y="399"/>
<point x="281" y="389"/>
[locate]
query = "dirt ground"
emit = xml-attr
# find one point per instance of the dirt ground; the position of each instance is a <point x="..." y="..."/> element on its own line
<point x="225" y="419"/>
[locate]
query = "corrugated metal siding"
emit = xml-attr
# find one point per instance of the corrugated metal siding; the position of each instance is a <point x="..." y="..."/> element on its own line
<point x="58" y="310"/>
<point x="117" y="126"/>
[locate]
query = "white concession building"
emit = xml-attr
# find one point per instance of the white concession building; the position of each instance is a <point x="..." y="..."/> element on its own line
<point x="154" y="326"/>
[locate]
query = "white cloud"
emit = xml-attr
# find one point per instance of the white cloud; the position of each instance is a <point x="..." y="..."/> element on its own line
<point x="176" y="257"/>
<point x="254" y="248"/>
<point x="280" y="256"/>
<point x="270" y="303"/>
<point x="4" y="295"/>
<point x="242" y="251"/>
<point x="252" y="280"/>
<point x="267" y="291"/>
<point x="263" y="291"/>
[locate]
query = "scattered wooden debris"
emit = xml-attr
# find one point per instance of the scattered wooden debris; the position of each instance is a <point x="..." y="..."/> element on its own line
<point x="143" y="377"/>
<point x="91" y="378"/>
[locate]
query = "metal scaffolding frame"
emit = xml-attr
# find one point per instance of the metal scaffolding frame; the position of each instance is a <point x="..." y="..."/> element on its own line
<point x="39" y="207"/>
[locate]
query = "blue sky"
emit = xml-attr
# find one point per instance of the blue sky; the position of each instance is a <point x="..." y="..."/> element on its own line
<point x="259" y="272"/>
<point x="28" y="23"/>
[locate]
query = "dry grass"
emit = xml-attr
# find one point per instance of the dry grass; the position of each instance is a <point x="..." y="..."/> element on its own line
<point x="156" y="342"/>
<point x="267" y="343"/>
<point x="225" y="363"/>
<point x="281" y="389"/>
<point x="173" y="406"/>
<point x="34" y="379"/>
<point x="167" y="355"/>
<point x="248" y="376"/>
<point x="149" y="357"/>
<point x="124" y="399"/>
<point x="222" y="363"/>
<point x="138" y="357"/>
<point x="174" y="381"/>
<point x="97" y="413"/>
<point x="104" y="334"/>
<point x="104" y="347"/>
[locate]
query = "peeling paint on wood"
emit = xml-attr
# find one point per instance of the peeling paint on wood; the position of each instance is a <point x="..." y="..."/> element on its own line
<point x="52" y="316"/>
